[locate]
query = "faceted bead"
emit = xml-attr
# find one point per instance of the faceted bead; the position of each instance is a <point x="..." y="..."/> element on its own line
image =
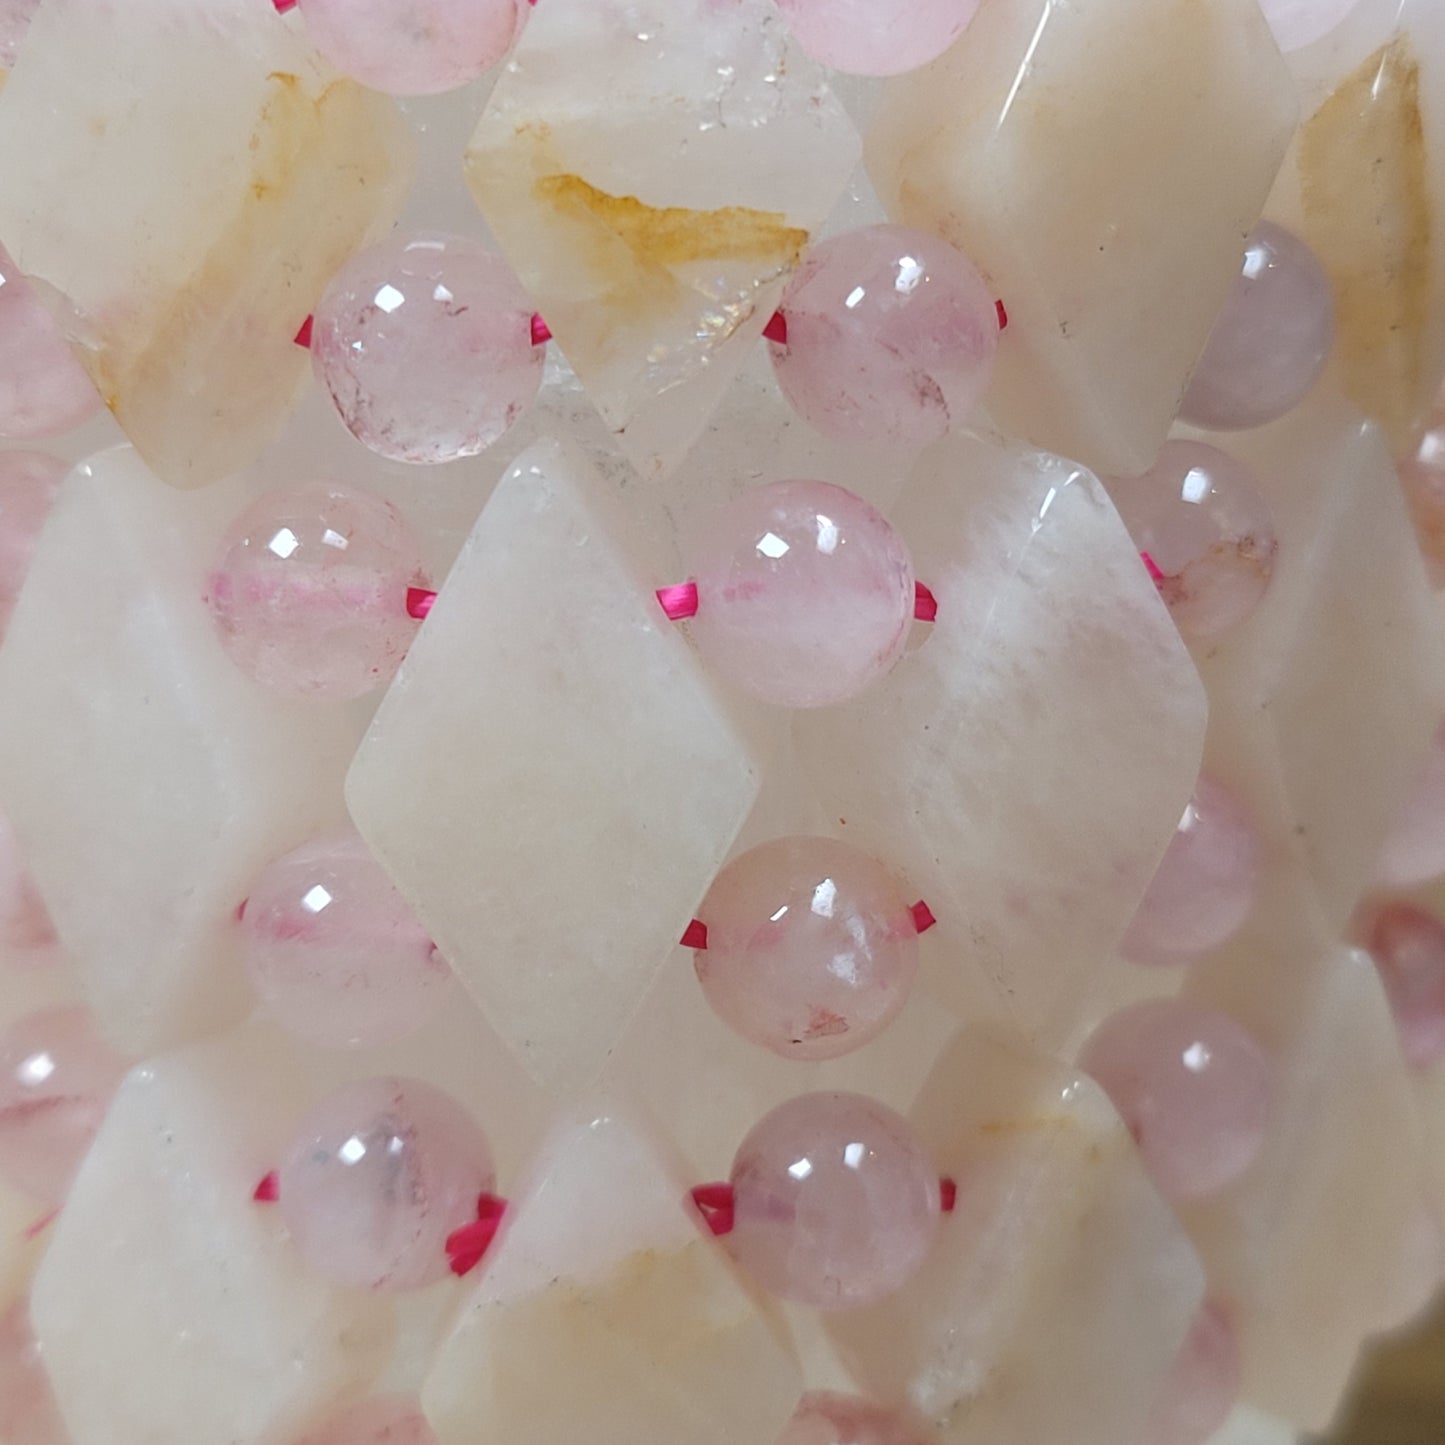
<point x="1422" y="473"/>
<point x="1271" y="340"/>
<point x="1205" y="885"/>
<point x="334" y="950"/>
<point x="1192" y="1086"/>
<point x="884" y="37"/>
<point x="25" y="926"/>
<point x="43" y="388"/>
<point x="310" y="593"/>
<point x="28" y="483"/>
<point x="425" y="344"/>
<point x="1205" y="533"/>
<point x="1203" y="1386"/>
<point x="57" y="1076"/>
<point x="805" y="594"/>
<point x="377" y="1176"/>
<point x="826" y="1418"/>
<point x="1414" y="851"/>
<point x="811" y="949"/>
<point x="1297" y="23"/>
<point x="28" y="1412"/>
<point x="1408" y="946"/>
<point x="416" y="47"/>
<point x="890" y="337"/>
<point x="835" y="1201"/>
<point x="384" y="1420"/>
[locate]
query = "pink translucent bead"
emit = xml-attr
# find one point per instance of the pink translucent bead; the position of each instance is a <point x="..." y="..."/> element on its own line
<point x="28" y="483"/>
<point x="891" y="337"/>
<point x="57" y="1076"/>
<point x="1205" y="885"/>
<point x="335" y="952"/>
<point x="310" y="593"/>
<point x="384" y="1420"/>
<point x="43" y="389"/>
<point x="1203" y="1386"/>
<point x="811" y="948"/>
<point x="805" y="594"/>
<point x="826" y="1418"/>
<point x="1270" y="342"/>
<point x="1193" y="1087"/>
<point x="1408" y="946"/>
<point x="25" y="926"/>
<point x="1414" y="851"/>
<point x="377" y="1176"/>
<point x="835" y="1201"/>
<point x="1297" y="23"/>
<point x="425" y="344"/>
<point x="1204" y="531"/>
<point x="877" y="37"/>
<point x="1422" y="474"/>
<point x="28" y="1412"/>
<point x="413" y="47"/>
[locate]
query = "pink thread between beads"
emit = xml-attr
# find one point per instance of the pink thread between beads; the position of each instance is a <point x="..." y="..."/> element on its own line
<point x="1002" y="315"/>
<point x="1153" y="568"/>
<point x="695" y="935"/>
<point x="268" y="1191"/>
<point x="466" y="1246"/>
<point x="419" y="601"/>
<point x="282" y="6"/>
<point x="777" y="329"/>
<point x="715" y="1204"/>
<point x="680" y="602"/>
<point x="923" y="918"/>
<point x="541" y="332"/>
<point x="303" y="337"/>
<point x="947" y="1194"/>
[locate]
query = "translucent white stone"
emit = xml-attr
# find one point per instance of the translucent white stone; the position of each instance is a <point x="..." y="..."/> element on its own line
<point x="608" y="1315"/>
<point x="122" y="718"/>
<point x="654" y="171"/>
<point x="28" y="1412"/>
<point x="550" y="781"/>
<point x="1297" y="23"/>
<point x="962" y="768"/>
<point x="169" y="1306"/>
<point x="1060" y="1290"/>
<point x="28" y="483"/>
<point x="1096" y="209"/>
<point x="869" y="38"/>
<point x="235" y="173"/>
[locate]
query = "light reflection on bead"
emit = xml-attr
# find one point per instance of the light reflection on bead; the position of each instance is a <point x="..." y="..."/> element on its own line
<point x="835" y="1201"/>
<point x="1414" y="851"/>
<point x="1297" y="23"/>
<point x="1422" y="474"/>
<point x="384" y="1420"/>
<point x="310" y="592"/>
<point x="28" y="484"/>
<point x="425" y="345"/>
<point x="43" y="389"/>
<point x="805" y="593"/>
<point x="377" y="1176"/>
<point x="826" y="1418"/>
<point x="877" y="37"/>
<point x="28" y="1412"/>
<point x="1408" y="946"/>
<point x="335" y="952"/>
<point x="811" y="947"/>
<point x="1203" y="1386"/>
<point x="890" y="337"/>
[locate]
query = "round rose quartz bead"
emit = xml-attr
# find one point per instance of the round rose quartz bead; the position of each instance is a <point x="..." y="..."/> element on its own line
<point x="835" y="1202"/>
<point x="28" y="483"/>
<point x="1297" y="23"/>
<point x="1203" y="1386"/>
<point x="805" y="594"/>
<point x="811" y="948"/>
<point x="413" y="47"/>
<point x="57" y="1076"/>
<point x="1408" y="946"/>
<point x="310" y="593"/>
<point x="1192" y="1086"/>
<point x="891" y="337"/>
<point x="43" y="389"/>
<point x="425" y="344"/>
<point x="1205" y="533"/>
<point x="1205" y="884"/>
<point x="377" y="1176"/>
<point x="877" y="37"/>
<point x="28" y="1412"/>
<point x="1422" y="474"/>
<point x="385" y="1420"/>
<point x="825" y="1418"/>
<point x="336" y="954"/>
<point x="26" y="932"/>
<point x="1414" y="851"/>
<point x="1271" y="340"/>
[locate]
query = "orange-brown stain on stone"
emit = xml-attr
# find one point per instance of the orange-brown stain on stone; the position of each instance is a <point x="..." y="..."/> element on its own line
<point x="1365" y="193"/>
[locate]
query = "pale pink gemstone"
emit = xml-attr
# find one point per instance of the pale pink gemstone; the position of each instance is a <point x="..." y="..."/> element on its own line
<point x="57" y="1076"/>
<point x="1205" y="533"/>
<point x="826" y="1418"/>
<point x="891" y="336"/>
<point x="805" y="593"/>
<point x="14" y="22"/>
<point x="310" y="592"/>
<point x="26" y="932"/>
<point x="1414" y="851"/>
<point x="1194" y="1089"/>
<point x="1297" y="23"/>
<point x="28" y="1412"/>
<point x="877" y="37"/>
<point x="1271" y="340"/>
<point x="835" y="1201"/>
<point x="384" y="1420"/>
<point x="335" y="952"/>
<point x="377" y="1176"/>
<point x="425" y="344"/>
<point x="1205" y="885"/>
<point x="413" y="47"/>
<point x="28" y="483"/>
<point x="43" y="389"/>
<point x="1422" y="474"/>
<point x="811" y="948"/>
<point x="1408" y="946"/>
<point x="1203" y="1386"/>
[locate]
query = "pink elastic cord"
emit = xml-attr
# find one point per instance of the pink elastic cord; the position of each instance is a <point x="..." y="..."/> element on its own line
<point x="925" y="604"/>
<point x="419" y="602"/>
<point x="923" y="918"/>
<point x="694" y="935"/>
<point x="679" y="602"/>
<point x="541" y="332"/>
<point x="777" y="328"/>
<point x="715" y="1204"/>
